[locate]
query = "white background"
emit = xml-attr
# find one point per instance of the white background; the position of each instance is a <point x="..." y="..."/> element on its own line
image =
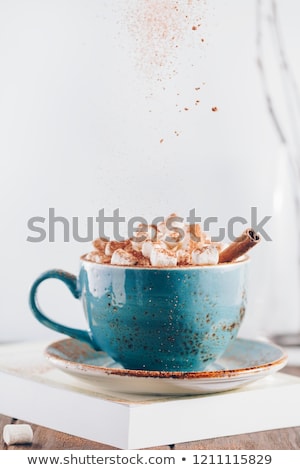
<point x="81" y="120"/>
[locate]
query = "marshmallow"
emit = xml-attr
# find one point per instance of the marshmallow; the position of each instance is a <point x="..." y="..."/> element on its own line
<point x="144" y="261"/>
<point x="196" y="234"/>
<point x="123" y="258"/>
<point x="112" y="246"/>
<point x="183" y="257"/>
<point x="161" y="228"/>
<point x="97" y="257"/>
<point x="189" y="244"/>
<point x="138" y="241"/>
<point x="172" y="239"/>
<point x="138" y="256"/>
<point x="17" y="434"/>
<point x="152" y="232"/>
<point x="100" y="244"/>
<point x="220" y="246"/>
<point x="171" y="242"/>
<point x="161" y="257"/>
<point x="147" y="248"/>
<point x="149" y="230"/>
<point x="206" y="255"/>
<point x="173" y="221"/>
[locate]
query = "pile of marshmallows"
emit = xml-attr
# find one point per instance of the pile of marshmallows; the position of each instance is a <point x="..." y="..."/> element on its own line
<point x="169" y="243"/>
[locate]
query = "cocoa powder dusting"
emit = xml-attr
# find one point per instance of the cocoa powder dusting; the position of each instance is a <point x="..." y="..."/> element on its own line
<point x="159" y="28"/>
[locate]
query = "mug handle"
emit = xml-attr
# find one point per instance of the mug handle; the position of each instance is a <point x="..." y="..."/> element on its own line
<point x="71" y="282"/>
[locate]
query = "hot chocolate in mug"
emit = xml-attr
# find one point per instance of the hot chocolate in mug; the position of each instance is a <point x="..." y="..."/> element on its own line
<point x="150" y="318"/>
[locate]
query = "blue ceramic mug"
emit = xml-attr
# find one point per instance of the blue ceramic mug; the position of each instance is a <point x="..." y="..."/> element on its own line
<point x="164" y="319"/>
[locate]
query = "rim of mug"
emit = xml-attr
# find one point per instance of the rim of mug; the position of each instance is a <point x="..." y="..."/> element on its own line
<point x="244" y="260"/>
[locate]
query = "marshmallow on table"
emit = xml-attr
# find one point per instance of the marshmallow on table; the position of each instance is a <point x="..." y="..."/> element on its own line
<point x="208" y="254"/>
<point x="17" y="434"/>
<point x="161" y="257"/>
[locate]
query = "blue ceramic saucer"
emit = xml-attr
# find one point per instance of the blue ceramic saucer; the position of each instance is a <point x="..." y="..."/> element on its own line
<point x="244" y="362"/>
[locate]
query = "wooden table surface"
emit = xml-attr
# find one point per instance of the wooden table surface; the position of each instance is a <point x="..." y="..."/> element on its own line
<point x="47" y="439"/>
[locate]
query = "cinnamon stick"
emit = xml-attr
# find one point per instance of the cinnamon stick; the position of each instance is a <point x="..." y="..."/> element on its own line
<point x="240" y="246"/>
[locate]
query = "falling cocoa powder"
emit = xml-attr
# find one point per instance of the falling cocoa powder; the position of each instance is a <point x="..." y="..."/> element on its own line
<point x="159" y="28"/>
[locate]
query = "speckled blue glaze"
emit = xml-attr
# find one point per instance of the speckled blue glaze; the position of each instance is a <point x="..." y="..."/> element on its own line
<point x="176" y="319"/>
